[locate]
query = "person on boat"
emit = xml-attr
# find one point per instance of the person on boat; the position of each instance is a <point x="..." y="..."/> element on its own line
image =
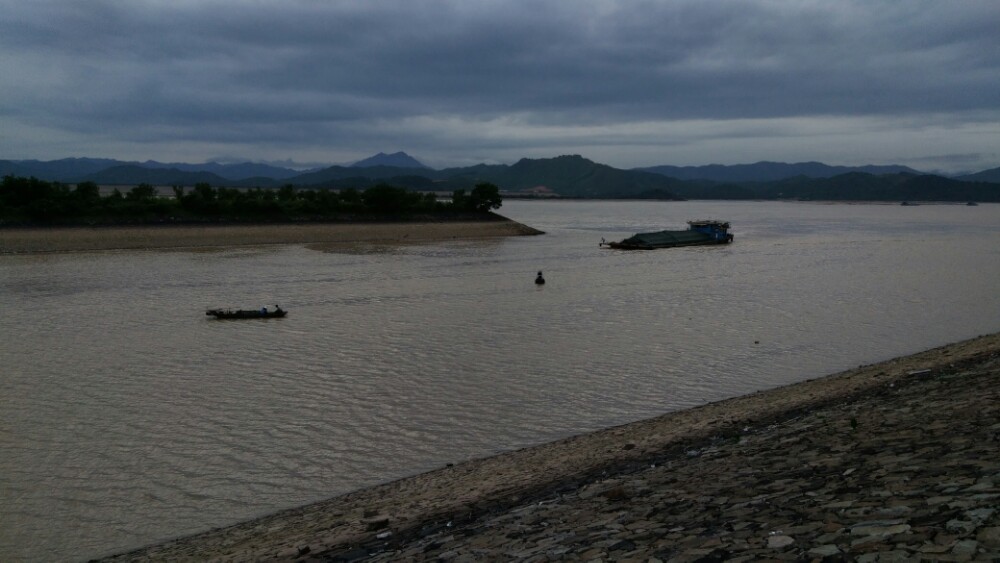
<point x="277" y="308"/>
<point x="539" y="279"/>
<point x="263" y="310"/>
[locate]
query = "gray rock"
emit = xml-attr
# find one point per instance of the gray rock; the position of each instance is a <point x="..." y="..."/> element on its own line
<point x="780" y="541"/>
<point x="984" y="485"/>
<point x="980" y="515"/>
<point x="891" y="556"/>
<point x="962" y="526"/>
<point x="989" y="536"/>
<point x="827" y="550"/>
<point x="881" y="528"/>
<point x="965" y="547"/>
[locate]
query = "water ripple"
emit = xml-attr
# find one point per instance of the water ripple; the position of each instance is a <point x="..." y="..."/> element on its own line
<point x="129" y="417"/>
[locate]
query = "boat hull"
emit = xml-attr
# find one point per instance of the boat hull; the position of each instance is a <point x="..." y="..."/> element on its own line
<point x="626" y="246"/>
<point x="225" y="314"/>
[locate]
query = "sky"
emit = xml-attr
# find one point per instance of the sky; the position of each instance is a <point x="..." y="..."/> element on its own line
<point x="304" y="83"/>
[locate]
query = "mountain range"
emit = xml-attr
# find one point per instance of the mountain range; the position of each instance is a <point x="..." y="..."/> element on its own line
<point x="566" y="176"/>
<point x="769" y="171"/>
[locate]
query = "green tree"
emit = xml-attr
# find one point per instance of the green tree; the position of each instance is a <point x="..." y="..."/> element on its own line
<point x="350" y="196"/>
<point x="384" y="198"/>
<point x="88" y="193"/>
<point x="202" y="200"/>
<point x="429" y="201"/>
<point x="286" y="193"/>
<point x="142" y="192"/>
<point x="205" y="191"/>
<point x="19" y="192"/>
<point x="485" y="197"/>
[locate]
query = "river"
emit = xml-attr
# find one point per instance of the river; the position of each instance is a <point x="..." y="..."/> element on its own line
<point x="128" y="417"/>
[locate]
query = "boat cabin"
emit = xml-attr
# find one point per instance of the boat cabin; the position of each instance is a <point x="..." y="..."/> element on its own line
<point x="717" y="230"/>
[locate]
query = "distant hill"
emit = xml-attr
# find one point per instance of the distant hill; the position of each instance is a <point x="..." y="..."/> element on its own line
<point x="853" y="186"/>
<point x="991" y="175"/>
<point x="241" y="171"/>
<point x="566" y="176"/>
<point x="62" y="170"/>
<point x="395" y="160"/>
<point x="569" y="176"/>
<point x="81" y="169"/>
<point x="131" y="175"/>
<point x="768" y="171"/>
<point x="11" y="168"/>
<point x="575" y="176"/>
<point x="335" y="176"/>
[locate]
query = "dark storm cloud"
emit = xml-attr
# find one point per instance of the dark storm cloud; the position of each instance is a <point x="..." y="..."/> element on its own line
<point x="334" y="73"/>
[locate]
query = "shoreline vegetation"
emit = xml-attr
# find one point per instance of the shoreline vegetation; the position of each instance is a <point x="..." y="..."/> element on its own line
<point x="38" y="216"/>
<point x="29" y="202"/>
<point x="898" y="457"/>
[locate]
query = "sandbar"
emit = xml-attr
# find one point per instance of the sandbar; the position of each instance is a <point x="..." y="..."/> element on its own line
<point x="82" y="239"/>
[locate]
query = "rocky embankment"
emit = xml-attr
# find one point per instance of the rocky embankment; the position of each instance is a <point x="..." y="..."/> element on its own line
<point x="897" y="461"/>
<point x="908" y="472"/>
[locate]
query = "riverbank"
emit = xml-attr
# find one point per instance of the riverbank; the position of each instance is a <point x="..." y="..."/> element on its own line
<point x="897" y="459"/>
<point x="75" y="239"/>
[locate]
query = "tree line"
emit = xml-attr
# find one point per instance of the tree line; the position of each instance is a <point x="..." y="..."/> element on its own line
<point x="33" y="201"/>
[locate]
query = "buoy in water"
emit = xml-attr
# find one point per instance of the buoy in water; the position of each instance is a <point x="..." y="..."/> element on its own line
<point x="539" y="279"/>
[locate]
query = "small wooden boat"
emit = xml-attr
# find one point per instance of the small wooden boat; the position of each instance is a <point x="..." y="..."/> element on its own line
<point x="262" y="313"/>
<point x="699" y="233"/>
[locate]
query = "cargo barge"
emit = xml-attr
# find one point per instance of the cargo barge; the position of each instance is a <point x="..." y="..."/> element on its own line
<point x="703" y="232"/>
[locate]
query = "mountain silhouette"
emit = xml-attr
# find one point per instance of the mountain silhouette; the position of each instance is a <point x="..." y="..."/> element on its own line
<point x="396" y="159"/>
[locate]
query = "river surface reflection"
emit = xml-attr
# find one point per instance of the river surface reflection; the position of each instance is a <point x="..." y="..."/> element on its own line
<point x="128" y="417"/>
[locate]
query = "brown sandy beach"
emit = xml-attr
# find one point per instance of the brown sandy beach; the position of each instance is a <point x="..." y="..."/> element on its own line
<point x="893" y="461"/>
<point x="72" y="239"/>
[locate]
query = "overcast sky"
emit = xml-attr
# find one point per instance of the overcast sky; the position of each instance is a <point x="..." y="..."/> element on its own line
<point x="311" y="82"/>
